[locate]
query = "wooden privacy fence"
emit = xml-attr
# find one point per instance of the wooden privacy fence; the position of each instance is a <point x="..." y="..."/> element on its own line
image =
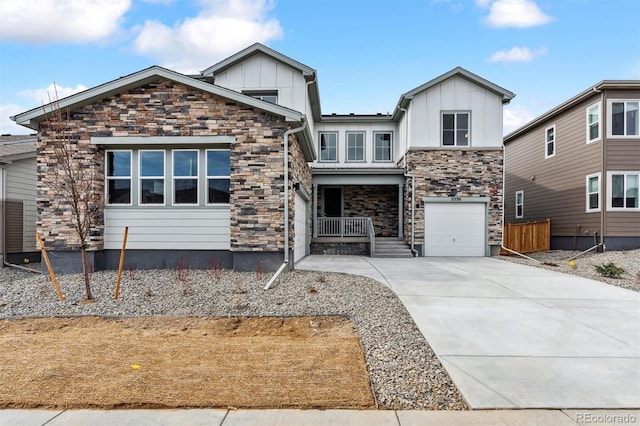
<point x="527" y="237"/>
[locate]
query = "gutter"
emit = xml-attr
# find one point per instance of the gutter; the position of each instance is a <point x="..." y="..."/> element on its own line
<point x="286" y="202"/>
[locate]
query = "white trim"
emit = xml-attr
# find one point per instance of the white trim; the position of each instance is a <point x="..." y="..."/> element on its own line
<point x="173" y="177"/>
<point x="455" y="128"/>
<point x="163" y="177"/>
<point x="610" y="192"/>
<point x="161" y="140"/>
<point x="521" y="192"/>
<point x="599" y="122"/>
<point x="610" y="103"/>
<point x="391" y="147"/>
<point x="337" y="159"/>
<point x="599" y="176"/>
<point x="546" y="142"/>
<point x="364" y="146"/>
<point x="107" y="178"/>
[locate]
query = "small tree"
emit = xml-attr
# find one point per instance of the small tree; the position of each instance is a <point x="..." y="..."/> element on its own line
<point x="70" y="180"/>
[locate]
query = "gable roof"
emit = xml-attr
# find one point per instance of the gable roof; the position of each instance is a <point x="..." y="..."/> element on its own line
<point x="505" y="94"/>
<point x="308" y="72"/>
<point x="14" y="148"/>
<point x="585" y="94"/>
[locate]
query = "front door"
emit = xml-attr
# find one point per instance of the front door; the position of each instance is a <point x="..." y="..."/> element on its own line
<point x="333" y="202"/>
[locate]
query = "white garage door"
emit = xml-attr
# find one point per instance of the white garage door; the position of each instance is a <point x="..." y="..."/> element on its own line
<point x="455" y="229"/>
<point x="300" y="228"/>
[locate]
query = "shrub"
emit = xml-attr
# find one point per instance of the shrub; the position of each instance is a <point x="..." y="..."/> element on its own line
<point x="609" y="270"/>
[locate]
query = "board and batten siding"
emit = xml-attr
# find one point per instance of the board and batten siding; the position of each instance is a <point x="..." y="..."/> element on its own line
<point x="260" y="72"/>
<point x="554" y="187"/>
<point x="21" y="184"/>
<point x="168" y="228"/>
<point x="456" y="94"/>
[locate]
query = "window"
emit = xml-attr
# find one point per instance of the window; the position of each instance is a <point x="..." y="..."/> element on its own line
<point x="185" y="176"/>
<point x="593" y="123"/>
<point x="519" y="204"/>
<point x="550" y="141"/>
<point x="218" y="176"/>
<point x="624" y="118"/>
<point x="329" y="146"/>
<point x="382" y="146"/>
<point x="455" y="129"/>
<point x="355" y="146"/>
<point x="593" y="193"/>
<point x="151" y="177"/>
<point x="623" y="190"/>
<point x="118" y="174"/>
<point x="270" y="96"/>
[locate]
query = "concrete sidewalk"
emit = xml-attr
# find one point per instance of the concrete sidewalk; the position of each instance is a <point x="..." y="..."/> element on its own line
<point x="513" y="336"/>
<point x="315" y="417"/>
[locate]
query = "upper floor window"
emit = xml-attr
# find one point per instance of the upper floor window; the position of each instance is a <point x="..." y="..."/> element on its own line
<point x="329" y="146"/>
<point x="218" y="176"/>
<point x="118" y="174"/>
<point x="455" y="128"/>
<point x="623" y="190"/>
<point x="593" y="193"/>
<point x="519" y="204"/>
<point x="151" y="170"/>
<point x="355" y="146"/>
<point x="382" y="146"/>
<point x="593" y="123"/>
<point x="625" y="120"/>
<point x="550" y="141"/>
<point x="270" y="96"/>
<point x="185" y="176"/>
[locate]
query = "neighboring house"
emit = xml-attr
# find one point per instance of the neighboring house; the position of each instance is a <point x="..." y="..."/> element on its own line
<point x="579" y="165"/>
<point x="18" y="211"/>
<point x="194" y="166"/>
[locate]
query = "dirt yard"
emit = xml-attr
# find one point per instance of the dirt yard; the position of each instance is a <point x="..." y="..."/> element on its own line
<point x="89" y="362"/>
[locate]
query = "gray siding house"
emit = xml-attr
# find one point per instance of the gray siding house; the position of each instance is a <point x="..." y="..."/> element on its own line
<point x="18" y="211"/>
<point x="579" y="165"/>
<point x="238" y="165"/>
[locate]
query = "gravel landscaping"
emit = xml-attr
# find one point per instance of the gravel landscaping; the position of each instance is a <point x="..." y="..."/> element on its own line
<point x="404" y="371"/>
<point x="584" y="266"/>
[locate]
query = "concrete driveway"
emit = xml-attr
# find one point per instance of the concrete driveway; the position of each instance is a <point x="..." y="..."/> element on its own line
<point x="513" y="336"/>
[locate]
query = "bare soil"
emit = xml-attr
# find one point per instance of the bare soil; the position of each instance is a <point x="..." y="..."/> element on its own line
<point x="91" y="362"/>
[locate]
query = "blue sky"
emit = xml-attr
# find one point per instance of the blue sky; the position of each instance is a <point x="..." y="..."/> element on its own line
<point x="366" y="52"/>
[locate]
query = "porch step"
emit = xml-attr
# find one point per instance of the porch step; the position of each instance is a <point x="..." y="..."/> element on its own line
<point x="392" y="247"/>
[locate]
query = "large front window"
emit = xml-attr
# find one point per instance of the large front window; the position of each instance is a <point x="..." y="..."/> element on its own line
<point x="329" y="146"/>
<point x="623" y="190"/>
<point x="382" y="146"/>
<point x="355" y="146"/>
<point x="118" y="174"/>
<point x="455" y="128"/>
<point x="151" y="166"/>
<point x="625" y="120"/>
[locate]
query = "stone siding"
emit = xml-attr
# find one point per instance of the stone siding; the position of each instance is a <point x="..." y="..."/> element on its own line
<point x="471" y="173"/>
<point x="300" y="172"/>
<point x="167" y="108"/>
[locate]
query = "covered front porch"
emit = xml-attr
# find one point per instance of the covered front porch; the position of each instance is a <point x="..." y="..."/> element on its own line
<point x="351" y="208"/>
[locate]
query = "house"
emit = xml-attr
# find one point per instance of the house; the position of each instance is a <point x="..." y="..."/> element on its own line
<point x="579" y="166"/>
<point x="18" y="199"/>
<point x="196" y="167"/>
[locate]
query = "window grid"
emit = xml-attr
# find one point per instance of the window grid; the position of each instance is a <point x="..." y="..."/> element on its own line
<point x="519" y="204"/>
<point x="456" y="128"/>
<point x="623" y="190"/>
<point x="593" y="193"/>
<point x="625" y="118"/>
<point x="355" y="147"/>
<point x="593" y="123"/>
<point x="383" y="146"/>
<point x="329" y="146"/>
<point x="550" y="142"/>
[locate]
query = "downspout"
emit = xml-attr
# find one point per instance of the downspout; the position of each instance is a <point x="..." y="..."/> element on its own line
<point x="603" y="173"/>
<point x="286" y="202"/>
<point x="414" y="252"/>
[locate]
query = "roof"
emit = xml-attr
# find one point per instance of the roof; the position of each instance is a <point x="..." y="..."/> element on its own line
<point x="585" y="94"/>
<point x="14" y="148"/>
<point x="351" y="118"/>
<point x="505" y="94"/>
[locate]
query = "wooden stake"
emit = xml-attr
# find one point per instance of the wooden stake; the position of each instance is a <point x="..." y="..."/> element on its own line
<point x="121" y="265"/>
<point x="51" y="273"/>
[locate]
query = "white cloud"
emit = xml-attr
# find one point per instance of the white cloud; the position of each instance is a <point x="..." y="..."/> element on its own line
<point x="221" y="28"/>
<point x="47" y="21"/>
<point x="517" y="54"/>
<point x="8" y="126"/>
<point x="514" y="13"/>
<point x="514" y="117"/>
<point x="48" y="94"/>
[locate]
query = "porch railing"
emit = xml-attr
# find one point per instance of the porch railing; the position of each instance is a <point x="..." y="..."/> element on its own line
<point x="347" y="227"/>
